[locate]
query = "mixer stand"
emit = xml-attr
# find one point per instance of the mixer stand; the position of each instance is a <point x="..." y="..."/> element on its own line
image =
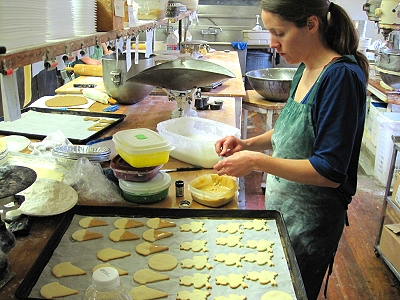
<point x="184" y="100"/>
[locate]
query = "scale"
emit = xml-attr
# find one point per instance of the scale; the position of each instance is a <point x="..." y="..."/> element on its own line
<point x="181" y="79"/>
<point x="13" y="179"/>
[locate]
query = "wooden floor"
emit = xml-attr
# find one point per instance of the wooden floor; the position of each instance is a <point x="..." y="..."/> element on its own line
<point x="357" y="273"/>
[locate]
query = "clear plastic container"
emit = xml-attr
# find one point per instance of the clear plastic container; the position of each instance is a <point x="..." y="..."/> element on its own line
<point x="106" y="286"/>
<point x="172" y="41"/>
<point x="152" y="9"/>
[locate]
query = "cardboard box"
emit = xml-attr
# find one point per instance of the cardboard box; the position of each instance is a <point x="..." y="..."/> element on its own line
<point x="108" y="16"/>
<point x="390" y="244"/>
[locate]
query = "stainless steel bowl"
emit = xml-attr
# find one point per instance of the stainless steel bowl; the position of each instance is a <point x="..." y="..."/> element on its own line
<point x="272" y="83"/>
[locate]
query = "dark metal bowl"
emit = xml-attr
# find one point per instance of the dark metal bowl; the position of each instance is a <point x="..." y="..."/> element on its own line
<point x="272" y="83"/>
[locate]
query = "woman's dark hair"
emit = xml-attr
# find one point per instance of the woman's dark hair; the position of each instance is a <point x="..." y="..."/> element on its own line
<point x="336" y="26"/>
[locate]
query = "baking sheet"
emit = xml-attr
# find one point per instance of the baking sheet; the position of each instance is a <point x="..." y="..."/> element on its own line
<point x="61" y="248"/>
<point x="37" y="123"/>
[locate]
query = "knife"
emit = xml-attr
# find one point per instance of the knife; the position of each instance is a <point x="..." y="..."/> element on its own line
<point x="182" y="169"/>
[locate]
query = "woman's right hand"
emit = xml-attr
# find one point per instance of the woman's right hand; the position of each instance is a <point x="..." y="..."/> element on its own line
<point x="229" y="145"/>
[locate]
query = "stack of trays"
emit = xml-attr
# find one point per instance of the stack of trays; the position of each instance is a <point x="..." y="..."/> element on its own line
<point x="67" y="155"/>
<point x="3" y="152"/>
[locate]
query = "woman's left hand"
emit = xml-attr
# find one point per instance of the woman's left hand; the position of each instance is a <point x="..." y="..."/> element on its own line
<point x="237" y="164"/>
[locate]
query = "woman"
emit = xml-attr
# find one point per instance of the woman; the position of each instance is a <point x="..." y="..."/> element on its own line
<point x="312" y="174"/>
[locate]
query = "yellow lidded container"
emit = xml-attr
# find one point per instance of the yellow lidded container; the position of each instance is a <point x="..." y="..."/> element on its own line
<point x="142" y="147"/>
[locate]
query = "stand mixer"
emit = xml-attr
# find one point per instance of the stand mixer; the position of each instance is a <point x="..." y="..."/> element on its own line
<point x="181" y="79"/>
<point x="386" y="13"/>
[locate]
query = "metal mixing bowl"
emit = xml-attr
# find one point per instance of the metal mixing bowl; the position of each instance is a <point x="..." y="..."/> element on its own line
<point x="272" y="83"/>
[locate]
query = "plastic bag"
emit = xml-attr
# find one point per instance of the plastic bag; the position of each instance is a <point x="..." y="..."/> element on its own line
<point x="53" y="140"/>
<point x="89" y="181"/>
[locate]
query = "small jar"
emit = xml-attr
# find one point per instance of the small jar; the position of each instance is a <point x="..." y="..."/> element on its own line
<point x="179" y="188"/>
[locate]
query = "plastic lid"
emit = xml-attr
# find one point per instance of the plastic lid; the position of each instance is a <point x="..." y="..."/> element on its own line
<point x="159" y="183"/>
<point x="105" y="279"/>
<point x="141" y="141"/>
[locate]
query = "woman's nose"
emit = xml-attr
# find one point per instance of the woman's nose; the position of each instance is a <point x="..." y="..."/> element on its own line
<point x="273" y="42"/>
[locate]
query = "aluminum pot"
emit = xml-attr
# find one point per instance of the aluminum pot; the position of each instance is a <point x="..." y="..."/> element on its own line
<point x="115" y="76"/>
<point x="272" y="83"/>
<point x="388" y="59"/>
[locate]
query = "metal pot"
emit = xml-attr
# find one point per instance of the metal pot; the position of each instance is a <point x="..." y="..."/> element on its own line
<point x="388" y="59"/>
<point x="115" y="76"/>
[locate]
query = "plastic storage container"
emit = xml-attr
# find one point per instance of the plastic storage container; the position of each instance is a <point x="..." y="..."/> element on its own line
<point x="106" y="286"/>
<point x="152" y="9"/>
<point x="142" y="147"/>
<point x="123" y="170"/>
<point x="194" y="139"/>
<point x="389" y="123"/>
<point x="146" y="192"/>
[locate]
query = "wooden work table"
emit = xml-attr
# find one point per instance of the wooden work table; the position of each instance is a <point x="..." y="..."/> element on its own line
<point x="145" y="114"/>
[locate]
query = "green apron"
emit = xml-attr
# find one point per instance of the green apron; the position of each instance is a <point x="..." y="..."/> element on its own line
<point x="314" y="216"/>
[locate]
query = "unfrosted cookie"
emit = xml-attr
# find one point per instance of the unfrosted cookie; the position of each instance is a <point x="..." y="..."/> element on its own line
<point x="230" y="227"/>
<point x="91" y="222"/>
<point x="85" y="235"/>
<point x="261" y="245"/>
<point x="118" y="235"/>
<point x="263" y="277"/>
<point x="110" y="254"/>
<point x="144" y="276"/>
<point x="231" y="241"/>
<point x="194" y="295"/>
<point x="157" y="223"/>
<point x="198" y="262"/>
<point x="194" y="227"/>
<point x="121" y="272"/>
<point x="261" y="258"/>
<point x="230" y="259"/>
<point x="162" y="262"/>
<point x="256" y="225"/>
<point x="152" y="235"/>
<point x="66" y="101"/>
<point x="146" y="248"/>
<point x="233" y="280"/>
<point x="231" y="297"/>
<point x="56" y="290"/>
<point x="197" y="280"/>
<point x="195" y="245"/>
<point x="66" y="269"/>
<point x="126" y="223"/>
<point x="276" y="295"/>
<point x="145" y="293"/>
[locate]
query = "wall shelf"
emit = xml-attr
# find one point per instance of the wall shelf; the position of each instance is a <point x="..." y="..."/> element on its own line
<point x="49" y="51"/>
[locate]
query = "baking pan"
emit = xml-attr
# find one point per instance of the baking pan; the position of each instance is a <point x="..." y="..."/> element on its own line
<point x="37" y="123"/>
<point x="24" y="291"/>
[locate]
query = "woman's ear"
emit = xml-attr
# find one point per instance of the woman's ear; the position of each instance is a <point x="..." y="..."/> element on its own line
<point x="312" y="24"/>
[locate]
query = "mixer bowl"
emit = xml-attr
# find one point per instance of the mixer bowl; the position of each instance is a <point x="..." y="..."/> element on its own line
<point x="388" y="66"/>
<point x="272" y="83"/>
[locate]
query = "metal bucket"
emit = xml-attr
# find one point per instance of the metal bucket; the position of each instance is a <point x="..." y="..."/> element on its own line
<point x="115" y="76"/>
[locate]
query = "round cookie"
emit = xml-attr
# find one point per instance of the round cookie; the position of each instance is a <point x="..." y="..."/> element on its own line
<point x="162" y="262"/>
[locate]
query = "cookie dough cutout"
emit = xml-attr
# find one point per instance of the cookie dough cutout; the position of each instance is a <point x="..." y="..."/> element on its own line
<point x="197" y="280"/>
<point x="121" y="272"/>
<point x="195" y="246"/>
<point x="230" y="259"/>
<point x="144" y="276"/>
<point x="118" y="235"/>
<point x="231" y="241"/>
<point x="85" y="235"/>
<point x="261" y="245"/>
<point x="94" y="128"/>
<point x="162" y="262"/>
<point x="146" y="248"/>
<point x="66" y="269"/>
<point x="233" y="280"/>
<point x="91" y="119"/>
<point x="110" y="254"/>
<point x="231" y="297"/>
<point x="91" y="222"/>
<point x="152" y="235"/>
<point x="107" y="121"/>
<point x="145" y="293"/>
<point x="198" y="262"/>
<point x="157" y="223"/>
<point x="56" y="290"/>
<point x="193" y="227"/>
<point x="66" y="101"/>
<point x="125" y="223"/>
<point x="195" y="295"/>
<point x="230" y="227"/>
<point x="263" y="277"/>
<point x="261" y="258"/>
<point x="257" y="225"/>
<point x="276" y="295"/>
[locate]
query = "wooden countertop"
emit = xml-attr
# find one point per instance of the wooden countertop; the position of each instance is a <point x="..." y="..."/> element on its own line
<point x="383" y="94"/>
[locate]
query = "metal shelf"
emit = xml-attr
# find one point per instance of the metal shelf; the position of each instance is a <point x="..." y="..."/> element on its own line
<point x="49" y="51"/>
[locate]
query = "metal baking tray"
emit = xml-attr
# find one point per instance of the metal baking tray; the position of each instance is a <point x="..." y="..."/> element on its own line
<point x="208" y="215"/>
<point x="44" y="121"/>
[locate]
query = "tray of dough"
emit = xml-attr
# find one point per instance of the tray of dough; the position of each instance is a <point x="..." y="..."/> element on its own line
<point x="78" y="126"/>
<point x="174" y="253"/>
